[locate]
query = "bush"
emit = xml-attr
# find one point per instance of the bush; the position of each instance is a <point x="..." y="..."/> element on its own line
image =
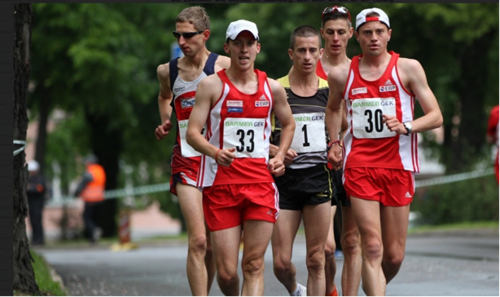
<point x="471" y="200"/>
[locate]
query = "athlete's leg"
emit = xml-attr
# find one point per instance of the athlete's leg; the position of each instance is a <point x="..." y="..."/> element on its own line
<point x="284" y="232"/>
<point x="351" y="247"/>
<point x="316" y="225"/>
<point x="367" y="215"/>
<point x="257" y="237"/>
<point x="209" y="260"/>
<point x="330" y="247"/>
<point x="225" y="246"/>
<point x="190" y="199"/>
<point x="394" y="231"/>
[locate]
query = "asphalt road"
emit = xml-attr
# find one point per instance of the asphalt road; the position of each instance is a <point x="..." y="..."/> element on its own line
<point x="439" y="264"/>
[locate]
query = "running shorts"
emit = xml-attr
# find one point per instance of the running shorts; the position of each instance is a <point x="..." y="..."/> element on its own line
<point x="228" y="206"/>
<point x="391" y="187"/>
<point x="300" y="187"/>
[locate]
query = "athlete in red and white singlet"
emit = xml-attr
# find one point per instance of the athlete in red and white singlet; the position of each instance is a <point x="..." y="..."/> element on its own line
<point x="368" y="142"/>
<point x="242" y="121"/>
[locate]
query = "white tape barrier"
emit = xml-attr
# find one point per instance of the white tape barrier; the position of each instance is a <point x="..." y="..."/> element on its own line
<point x="452" y="178"/>
<point x="19" y="142"/>
<point x="166" y="186"/>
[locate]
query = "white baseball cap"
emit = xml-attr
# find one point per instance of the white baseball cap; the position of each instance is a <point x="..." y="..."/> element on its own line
<point x="362" y="18"/>
<point x="33" y="166"/>
<point x="239" y="26"/>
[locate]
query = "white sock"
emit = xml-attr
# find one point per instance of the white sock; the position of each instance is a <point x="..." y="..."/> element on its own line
<point x="296" y="292"/>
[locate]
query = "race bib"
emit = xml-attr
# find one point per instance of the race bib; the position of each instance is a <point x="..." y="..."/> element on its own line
<point x="367" y="118"/>
<point x="309" y="133"/>
<point x="187" y="150"/>
<point x="246" y="135"/>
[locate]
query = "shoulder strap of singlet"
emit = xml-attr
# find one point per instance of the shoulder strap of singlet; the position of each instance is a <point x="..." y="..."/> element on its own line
<point x="210" y="64"/>
<point x="174" y="72"/>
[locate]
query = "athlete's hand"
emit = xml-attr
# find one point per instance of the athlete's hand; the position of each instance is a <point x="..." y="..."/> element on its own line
<point x="163" y="130"/>
<point x="393" y="124"/>
<point x="276" y="166"/>
<point x="335" y="156"/>
<point x="226" y="156"/>
<point x="290" y="155"/>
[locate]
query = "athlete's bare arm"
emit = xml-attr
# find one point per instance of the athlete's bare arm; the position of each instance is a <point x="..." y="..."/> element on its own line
<point x="164" y="99"/>
<point x="284" y="114"/>
<point x="414" y="80"/>
<point x="222" y="62"/>
<point x="337" y="78"/>
<point x="208" y="91"/>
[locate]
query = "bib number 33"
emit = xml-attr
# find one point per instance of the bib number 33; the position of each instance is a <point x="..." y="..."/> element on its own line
<point x="367" y="117"/>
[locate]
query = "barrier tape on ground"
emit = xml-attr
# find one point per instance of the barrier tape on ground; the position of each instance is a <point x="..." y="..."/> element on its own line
<point x="452" y="178"/>
<point x="111" y="194"/>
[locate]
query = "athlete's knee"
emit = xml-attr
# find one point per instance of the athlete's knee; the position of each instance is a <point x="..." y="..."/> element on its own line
<point x="253" y="265"/>
<point x="198" y="243"/>
<point x="281" y="265"/>
<point x="393" y="260"/>
<point x="330" y="249"/>
<point x="372" y="249"/>
<point x="350" y="242"/>
<point x="315" y="261"/>
<point x="226" y="277"/>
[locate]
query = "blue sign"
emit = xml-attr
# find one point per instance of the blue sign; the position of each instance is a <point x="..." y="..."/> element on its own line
<point x="175" y="51"/>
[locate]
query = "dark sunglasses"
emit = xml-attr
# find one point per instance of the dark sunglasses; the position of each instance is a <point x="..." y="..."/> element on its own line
<point x="339" y="9"/>
<point x="186" y="35"/>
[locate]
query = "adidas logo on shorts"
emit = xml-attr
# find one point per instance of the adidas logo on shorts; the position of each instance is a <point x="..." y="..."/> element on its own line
<point x="408" y="195"/>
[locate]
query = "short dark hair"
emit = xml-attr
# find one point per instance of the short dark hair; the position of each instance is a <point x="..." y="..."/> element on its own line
<point x="335" y="15"/>
<point x="304" y="31"/>
<point x="195" y="15"/>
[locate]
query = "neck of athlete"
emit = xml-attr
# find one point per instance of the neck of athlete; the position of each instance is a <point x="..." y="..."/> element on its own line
<point x="304" y="81"/>
<point x="329" y="60"/>
<point x="197" y="61"/>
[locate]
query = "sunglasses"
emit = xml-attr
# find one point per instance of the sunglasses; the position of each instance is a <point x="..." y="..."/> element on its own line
<point x="186" y="35"/>
<point x="339" y="9"/>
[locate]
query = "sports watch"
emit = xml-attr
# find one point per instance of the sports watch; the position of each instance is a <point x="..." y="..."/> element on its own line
<point x="408" y="127"/>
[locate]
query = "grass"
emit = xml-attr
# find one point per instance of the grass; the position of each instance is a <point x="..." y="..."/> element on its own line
<point x="43" y="277"/>
<point x="455" y="227"/>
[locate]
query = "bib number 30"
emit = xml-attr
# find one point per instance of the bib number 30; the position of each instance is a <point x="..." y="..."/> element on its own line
<point x="367" y="115"/>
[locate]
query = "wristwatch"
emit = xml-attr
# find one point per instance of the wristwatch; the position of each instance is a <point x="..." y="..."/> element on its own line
<point x="408" y="127"/>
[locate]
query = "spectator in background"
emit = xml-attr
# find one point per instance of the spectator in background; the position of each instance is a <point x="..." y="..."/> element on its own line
<point x="492" y="133"/>
<point x="91" y="191"/>
<point x="36" y="199"/>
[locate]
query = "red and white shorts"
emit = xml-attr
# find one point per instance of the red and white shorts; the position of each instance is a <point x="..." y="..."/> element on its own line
<point x="227" y="206"/>
<point x="391" y="187"/>
<point x="184" y="171"/>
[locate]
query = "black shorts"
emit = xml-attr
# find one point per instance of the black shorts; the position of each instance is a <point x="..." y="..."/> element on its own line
<point x="341" y="194"/>
<point x="300" y="187"/>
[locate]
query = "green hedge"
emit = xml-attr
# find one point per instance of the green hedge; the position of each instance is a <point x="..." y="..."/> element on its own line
<point x="471" y="200"/>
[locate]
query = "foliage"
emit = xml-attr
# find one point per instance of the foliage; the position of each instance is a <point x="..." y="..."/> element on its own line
<point x="44" y="278"/>
<point x="97" y="63"/>
<point x="471" y="200"/>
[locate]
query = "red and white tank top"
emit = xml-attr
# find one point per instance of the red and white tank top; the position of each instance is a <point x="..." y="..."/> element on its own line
<point x="240" y="121"/>
<point x="183" y="101"/>
<point x="368" y="142"/>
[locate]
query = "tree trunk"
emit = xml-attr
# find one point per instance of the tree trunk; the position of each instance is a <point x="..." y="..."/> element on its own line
<point x="107" y="145"/>
<point x="465" y="150"/>
<point x="24" y="278"/>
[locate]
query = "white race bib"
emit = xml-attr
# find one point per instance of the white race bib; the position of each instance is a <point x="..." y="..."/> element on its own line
<point x="246" y="135"/>
<point x="187" y="150"/>
<point x="309" y="133"/>
<point x="367" y="121"/>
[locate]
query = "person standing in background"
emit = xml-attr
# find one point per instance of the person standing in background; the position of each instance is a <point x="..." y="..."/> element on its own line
<point x="91" y="191"/>
<point x="36" y="192"/>
<point x="492" y="134"/>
